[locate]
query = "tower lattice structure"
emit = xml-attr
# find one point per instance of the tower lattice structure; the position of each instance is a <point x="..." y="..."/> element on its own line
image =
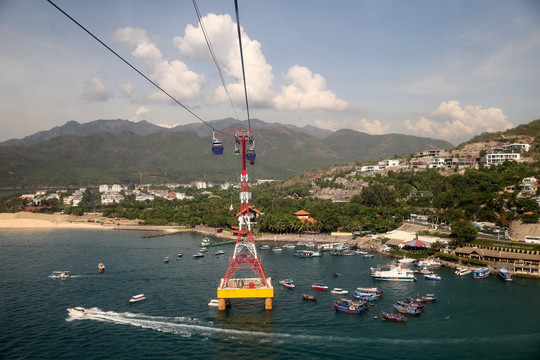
<point x="245" y="254"/>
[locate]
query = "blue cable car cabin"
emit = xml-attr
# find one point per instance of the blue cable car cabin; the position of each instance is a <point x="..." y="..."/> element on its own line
<point x="250" y="155"/>
<point x="217" y="147"/>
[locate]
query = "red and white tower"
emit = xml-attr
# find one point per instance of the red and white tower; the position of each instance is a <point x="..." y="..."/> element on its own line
<point x="245" y="254"/>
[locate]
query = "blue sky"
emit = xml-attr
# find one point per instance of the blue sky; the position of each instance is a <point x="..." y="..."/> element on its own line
<point x="443" y="69"/>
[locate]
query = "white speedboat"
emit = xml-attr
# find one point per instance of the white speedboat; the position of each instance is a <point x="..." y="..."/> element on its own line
<point x="62" y="275"/>
<point x="393" y="274"/>
<point x="339" y="291"/>
<point x="220" y="252"/>
<point x="214" y="302"/>
<point x="264" y="247"/>
<point x="289" y="246"/>
<point x="77" y="311"/>
<point x="276" y="249"/>
<point x="205" y="242"/>
<point x="198" y="255"/>
<point x="166" y="260"/>
<point x="137" y="298"/>
<point x="203" y="249"/>
<point x="433" y="277"/>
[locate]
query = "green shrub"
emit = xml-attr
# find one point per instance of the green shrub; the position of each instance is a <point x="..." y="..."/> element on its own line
<point x="468" y="261"/>
<point x="445" y="256"/>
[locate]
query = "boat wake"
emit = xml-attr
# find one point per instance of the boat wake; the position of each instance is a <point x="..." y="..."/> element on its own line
<point x="188" y="327"/>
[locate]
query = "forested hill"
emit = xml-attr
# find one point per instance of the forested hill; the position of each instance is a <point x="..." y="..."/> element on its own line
<point x="184" y="156"/>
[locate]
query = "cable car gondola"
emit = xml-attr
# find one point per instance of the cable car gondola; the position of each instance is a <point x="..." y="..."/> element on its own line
<point x="217" y="146"/>
<point x="250" y="155"/>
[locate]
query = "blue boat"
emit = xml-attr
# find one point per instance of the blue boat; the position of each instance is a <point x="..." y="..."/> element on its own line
<point x="505" y="275"/>
<point x="481" y="273"/>
<point x="367" y="294"/>
<point x="409" y="310"/>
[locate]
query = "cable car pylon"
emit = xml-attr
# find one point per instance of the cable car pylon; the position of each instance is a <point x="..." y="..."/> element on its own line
<point x="245" y="254"/>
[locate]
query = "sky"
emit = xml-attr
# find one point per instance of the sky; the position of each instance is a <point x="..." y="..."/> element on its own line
<point x="443" y="69"/>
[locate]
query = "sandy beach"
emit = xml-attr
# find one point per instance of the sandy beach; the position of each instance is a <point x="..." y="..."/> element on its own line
<point x="26" y="220"/>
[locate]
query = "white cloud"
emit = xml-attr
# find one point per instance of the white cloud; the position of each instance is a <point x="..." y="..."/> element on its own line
<point x="429" y="85"/>
<point x="374" y="128"/>
<point x="142" y="113"/>
<point x="223" y="35"/>
<point x="95" y="90"/>
<point x="453" y="123"/>
<point x="173" y="77"/>
<point x="307" y="91"/>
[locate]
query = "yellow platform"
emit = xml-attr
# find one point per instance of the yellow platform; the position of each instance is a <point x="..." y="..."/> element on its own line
<point x="245" y="288"/>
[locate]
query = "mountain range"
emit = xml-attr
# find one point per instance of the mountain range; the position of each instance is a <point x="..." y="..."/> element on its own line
<point x="118" y="151"/>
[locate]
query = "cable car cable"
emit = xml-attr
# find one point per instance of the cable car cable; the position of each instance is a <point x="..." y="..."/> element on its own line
<point x="214" y="56"/>
<point x="133" y="67"/>
<point x="242" y="60"/>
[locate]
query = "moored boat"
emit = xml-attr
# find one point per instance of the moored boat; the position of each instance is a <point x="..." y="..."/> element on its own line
<point x="203" y="249"/>
<point x="393" y="317"/>
<point x="350" y="307"/>
<point x="303" y="253"/>
<point x="137" y="298"/>
<point x="409" y="310"/>
<point x="180" y="254"/>
<point x="427" y="297"/>
<point x="214" y="302"/>
<point x="309" y="297"/>
<point x="429" y="263"/>
<point x="433" y="277"/>
<point x="462" y="271"/>
<point x="394" y="274"/>
<point x="198" y="255"/>
<point x="319" y="286"/>
<point x="61" y="275"/>
<point x="406" y="260"/>
<point x="505" y="274"/>
<point x="339" y="291"/>
<point x="289" y="246"/>
<point x="264" y="247"/>
<point x="367" y="294"/>
<point x="205" y="242"/>
<point x="277" y="249"/>
<point x="220" y="252"/>
<point x="166" y="260"/>
<point x="100" y="267"/>
<point x="481" y="273"/>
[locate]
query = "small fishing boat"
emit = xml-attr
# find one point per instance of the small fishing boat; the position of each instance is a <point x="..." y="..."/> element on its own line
<point x="203" y="249"/>
<point x="427" y="297"/>
<point x="409" y="310"/>
<point x="198" y="255"/>
<point x="205" y="242"/>
<point x="61" y="275"/>
<point x="367" y="255"/>
<point x="214" y="303"/>
<point x="100" y="268"/>
<point x="310" y="245"/>
<point x="481" y="273"/>
<point x="349" y="253"/>
<point x="319" y="286"/>
<point x="339" y="291"/>
<point x="137" y="298"/>
<point x="288" y="246"/>
<point x="505" y="274"/>
<point x="433" y="277"/>
<point x="424" y="271"/>
<point x="429" y="263"/>
<point x="334" y="274"/>
<point x="316" y="254"/>
<point x="180" y="254"/>
<point x="462" y="271"/>
<point x="309" y="297"/>
<point x="166" y="260"/>
<point x="277" y="249"/>
<point x="350" y="307"/>
<point x="393" y="317"/>
<point x="264" y="247"/>
<point x="220" y="252"/>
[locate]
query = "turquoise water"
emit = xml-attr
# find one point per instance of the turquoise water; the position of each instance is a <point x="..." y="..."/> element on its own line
<point x="477" y="319"/>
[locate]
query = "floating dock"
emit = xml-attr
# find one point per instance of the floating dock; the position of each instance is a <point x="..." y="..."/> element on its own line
<point x="245" y="288"/>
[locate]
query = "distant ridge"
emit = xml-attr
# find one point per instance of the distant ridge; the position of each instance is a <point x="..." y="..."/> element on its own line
<point x="144" y="127"/>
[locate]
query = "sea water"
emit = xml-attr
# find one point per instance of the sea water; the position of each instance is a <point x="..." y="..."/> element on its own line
<point x="471" y="319"/>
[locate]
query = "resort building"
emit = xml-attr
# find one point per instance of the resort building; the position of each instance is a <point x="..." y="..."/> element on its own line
<point x="496" y="159"/>
<point x="519" y="147"/>
<point x="388" y="163"/>
<point x="525" y="261"/>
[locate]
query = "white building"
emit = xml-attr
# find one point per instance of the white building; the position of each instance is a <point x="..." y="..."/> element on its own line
<point x="520" y="147"/>
<point x="368" y="169"/>
<point x="200" y="185"/>
<point x="116" y="188"/>
<point x="103" y="188"/>
<point x="387" y="163"/>
<point x="496" y="159"/>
